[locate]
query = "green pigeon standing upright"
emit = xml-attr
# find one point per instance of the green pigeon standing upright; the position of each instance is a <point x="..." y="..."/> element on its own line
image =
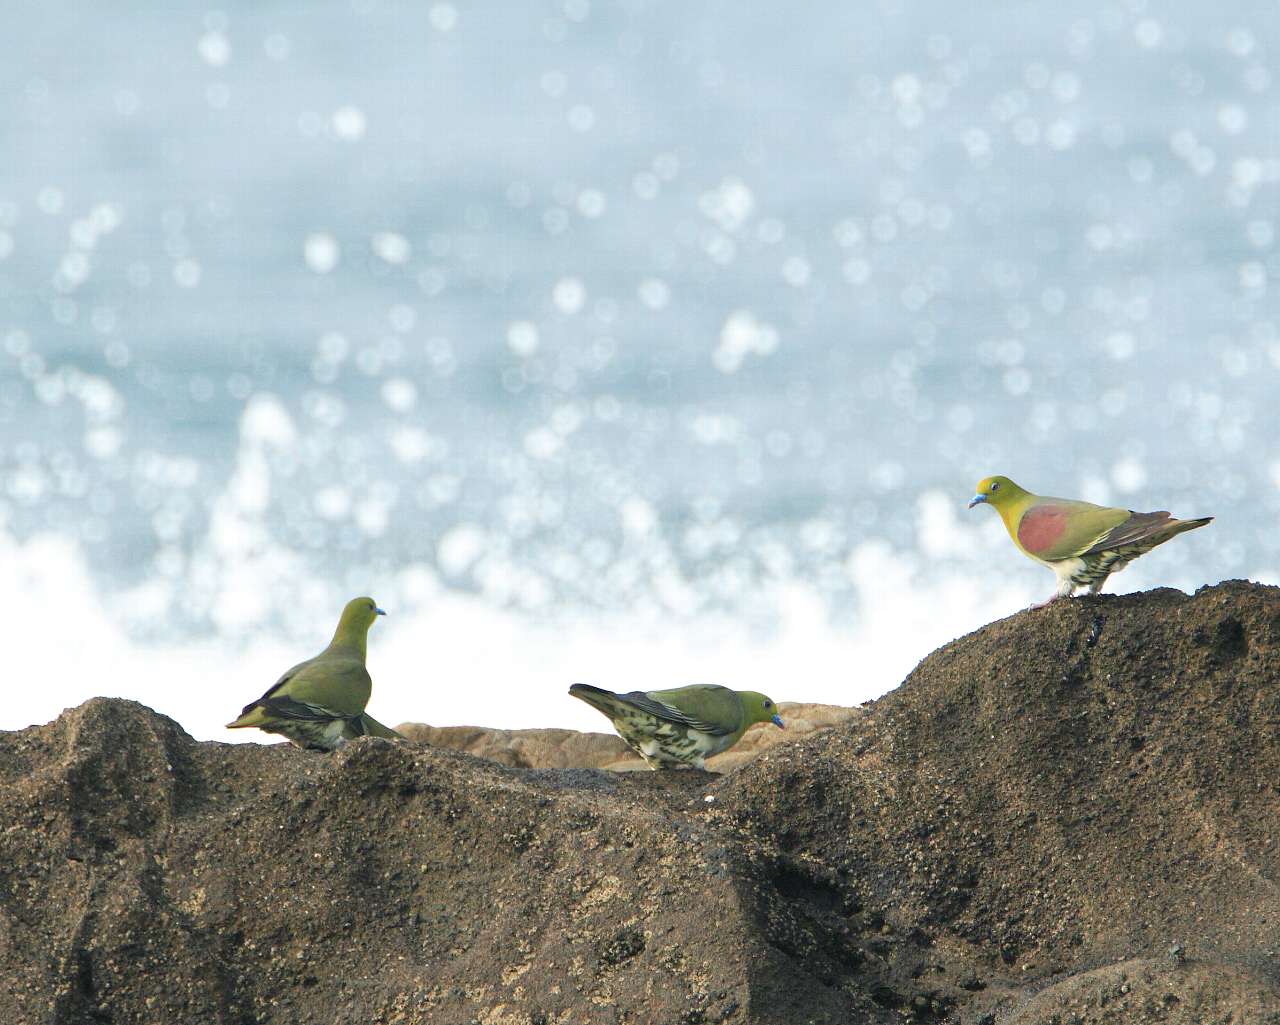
<point x="319" y="703"/>
<point x="1081" y="542"/>
<point x="680" y="727"/>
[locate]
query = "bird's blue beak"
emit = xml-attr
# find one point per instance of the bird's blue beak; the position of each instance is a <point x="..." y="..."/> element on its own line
<point x="777" y="721"/>
<point x="977" y="500"/>
<point x="379" y="612"/>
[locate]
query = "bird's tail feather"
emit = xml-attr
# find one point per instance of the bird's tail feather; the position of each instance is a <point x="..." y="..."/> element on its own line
<point x="601" y="700"/>
<point x="1175" y="527"/>
<point x="253" y="715"/>
<point x="369" y="726"/>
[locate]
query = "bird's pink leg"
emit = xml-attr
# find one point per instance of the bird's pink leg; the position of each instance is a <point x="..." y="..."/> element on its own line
<point x="1065" y="587"/>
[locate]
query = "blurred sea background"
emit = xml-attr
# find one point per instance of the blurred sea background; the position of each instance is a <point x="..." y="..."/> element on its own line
<point x="627" y="342"/>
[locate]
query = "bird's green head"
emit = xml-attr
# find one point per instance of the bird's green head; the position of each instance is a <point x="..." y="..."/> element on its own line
<point x="997" y="491"/>
<point x="761" y="709"/>
<point x="358" y="615"/>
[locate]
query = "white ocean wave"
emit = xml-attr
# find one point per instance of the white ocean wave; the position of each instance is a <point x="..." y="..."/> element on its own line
<point x="448" y="657"/>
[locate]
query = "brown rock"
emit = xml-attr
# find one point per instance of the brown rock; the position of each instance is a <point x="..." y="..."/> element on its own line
<point x="1155" y="991"/>
<point x="1022" y="833"/>
<point x="526" y="749"/>
<point x="1068" y="788"/>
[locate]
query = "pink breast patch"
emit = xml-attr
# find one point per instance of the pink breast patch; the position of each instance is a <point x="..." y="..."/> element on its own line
<point x="1040" y="527"/>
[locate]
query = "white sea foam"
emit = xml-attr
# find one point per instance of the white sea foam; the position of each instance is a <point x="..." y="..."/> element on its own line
<point x="452" y="658"/>
<point x="449" y="658"/>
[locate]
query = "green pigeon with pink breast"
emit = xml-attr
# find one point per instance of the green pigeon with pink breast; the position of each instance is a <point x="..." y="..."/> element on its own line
<point x="1081" y="542"/>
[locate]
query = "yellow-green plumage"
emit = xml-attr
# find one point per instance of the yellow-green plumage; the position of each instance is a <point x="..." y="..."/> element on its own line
<point x="319" y="704"/>
<point x="683" y="726"/>
<point x="1081" y="542"/>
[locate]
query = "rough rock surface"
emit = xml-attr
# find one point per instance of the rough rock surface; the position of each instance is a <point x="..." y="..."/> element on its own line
<point x="568" y="749"/>
<point x="1068" y="816"/>
<point x="524" y="749"/>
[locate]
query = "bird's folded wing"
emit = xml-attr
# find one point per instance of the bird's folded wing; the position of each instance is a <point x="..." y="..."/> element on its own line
<point x="298" y="711"/>
<point x="1138" y="527"/>
<point x="669" y="713"/>
<point x="340" y="684"/>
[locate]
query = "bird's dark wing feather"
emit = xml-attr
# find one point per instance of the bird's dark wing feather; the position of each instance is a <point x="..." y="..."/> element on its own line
<point x="671" y="714"/>
<point x="299" y="711"/>
<point x="1138" y="527"/>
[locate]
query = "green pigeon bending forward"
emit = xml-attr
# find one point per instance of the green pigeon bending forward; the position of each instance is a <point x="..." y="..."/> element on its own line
<point x="1081" y="542"/>
<point x="680" y="727"/>
<point x="319" y="703"/>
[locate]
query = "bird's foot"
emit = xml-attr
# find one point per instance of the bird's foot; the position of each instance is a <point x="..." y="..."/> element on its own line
<point x="1042" y="604"/>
